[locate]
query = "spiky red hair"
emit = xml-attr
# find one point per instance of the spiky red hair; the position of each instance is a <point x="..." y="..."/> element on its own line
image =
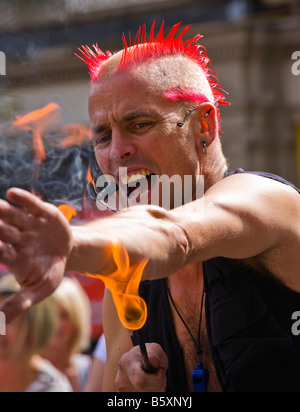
<point x="155" y="47"/>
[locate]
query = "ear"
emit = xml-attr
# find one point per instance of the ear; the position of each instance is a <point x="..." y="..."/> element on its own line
<point x="207" y="125"/>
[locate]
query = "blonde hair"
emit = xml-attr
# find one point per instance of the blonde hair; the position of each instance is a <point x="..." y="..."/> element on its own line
<point x="39" y="323"/>
<point x="71" y="297"/>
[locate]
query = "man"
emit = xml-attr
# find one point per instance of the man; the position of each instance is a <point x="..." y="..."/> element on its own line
<point x="152" y="109"/>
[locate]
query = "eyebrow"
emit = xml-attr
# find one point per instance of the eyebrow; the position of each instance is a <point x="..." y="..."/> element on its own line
<point x="139" y="113"/>
<point x="127" y="118"/>
<point x="99" y="129"/>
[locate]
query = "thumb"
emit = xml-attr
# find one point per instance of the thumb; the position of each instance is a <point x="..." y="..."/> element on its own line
<point x="157" y="357"/>
<point x="17" y="304"/>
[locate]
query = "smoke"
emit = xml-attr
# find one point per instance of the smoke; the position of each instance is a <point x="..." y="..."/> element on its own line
<point x="15" y="163"/>
<point x="40" y="155"/>
<point x="63" y="175"/>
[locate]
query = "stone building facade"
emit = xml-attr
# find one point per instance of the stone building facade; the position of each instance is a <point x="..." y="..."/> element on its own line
<point x="251" y="48"/>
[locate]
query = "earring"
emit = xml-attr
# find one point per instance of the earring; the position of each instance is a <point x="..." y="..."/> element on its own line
<point x="204" y="144"/>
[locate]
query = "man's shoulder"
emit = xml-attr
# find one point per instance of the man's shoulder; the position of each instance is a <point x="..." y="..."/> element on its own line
<point x="261" y="175"/>
<point x="241" y="185"/>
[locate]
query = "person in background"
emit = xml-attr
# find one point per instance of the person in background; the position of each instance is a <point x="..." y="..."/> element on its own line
<point x="21" y="367"/>
<point x="95" y="383"/>
<point x="73" y="334"/>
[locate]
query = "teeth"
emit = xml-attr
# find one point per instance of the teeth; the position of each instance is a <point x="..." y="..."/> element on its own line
<point x="135" y="178"/>
<point x="126" y="180"/>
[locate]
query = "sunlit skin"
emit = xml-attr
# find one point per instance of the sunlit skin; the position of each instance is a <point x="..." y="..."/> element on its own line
<point x="243" y="217"/>
<point x="135" y="135"/>
<point x="139" y="136"/>
<point x="136" y="126"/>
<point x="162" y="147"/>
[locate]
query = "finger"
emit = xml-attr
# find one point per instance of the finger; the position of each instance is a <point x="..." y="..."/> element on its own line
<point x="8" y="254"/>
<point x="16" y="305"/>
<point x="131" y="373"/>
<point x="157" y="356"/>
<point x="143" y="381"/>
<point x="27" y="201"/>
<point x="9" y="234"/>
<point x="14" y="216"/>
<point x="122" y="383"/>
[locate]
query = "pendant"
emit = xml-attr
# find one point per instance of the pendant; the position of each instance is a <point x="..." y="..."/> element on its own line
<point x="200" y="379"/>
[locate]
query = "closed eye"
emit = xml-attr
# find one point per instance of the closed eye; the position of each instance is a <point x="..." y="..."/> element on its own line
<point x="142" y="126"/>
<point x="102" y="140"/>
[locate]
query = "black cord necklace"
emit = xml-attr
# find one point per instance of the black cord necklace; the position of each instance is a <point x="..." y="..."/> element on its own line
<point x="200" y="375"/>
<point x="197" y="342"/>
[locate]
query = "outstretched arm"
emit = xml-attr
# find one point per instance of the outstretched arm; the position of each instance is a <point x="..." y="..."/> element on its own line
<point x="145" y="232"/>
<point x="242" y="217"/>
<point x="37" y="244"/>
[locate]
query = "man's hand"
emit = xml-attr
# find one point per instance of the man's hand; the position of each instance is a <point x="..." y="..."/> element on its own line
<point x="35" y="242"/>
<point x="132" y="378"/>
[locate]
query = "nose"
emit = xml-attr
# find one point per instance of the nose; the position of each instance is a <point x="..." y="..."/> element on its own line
<point x="122" y="147"/>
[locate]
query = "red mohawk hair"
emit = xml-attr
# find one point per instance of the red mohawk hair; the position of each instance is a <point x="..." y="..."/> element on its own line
<point x="94" y="59"/>
<point x="155" y="47"/>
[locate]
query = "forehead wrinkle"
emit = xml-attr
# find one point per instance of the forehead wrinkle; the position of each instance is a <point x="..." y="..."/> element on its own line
<point x="150" y="101"/>
<point x="139" y="113"/>
<point x="126" y="118"/>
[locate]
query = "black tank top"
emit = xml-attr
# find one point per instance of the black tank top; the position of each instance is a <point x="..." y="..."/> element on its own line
<point x="249" y="325"/>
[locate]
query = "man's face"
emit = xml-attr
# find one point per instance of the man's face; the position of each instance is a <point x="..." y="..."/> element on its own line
<point x="134" y="126"/>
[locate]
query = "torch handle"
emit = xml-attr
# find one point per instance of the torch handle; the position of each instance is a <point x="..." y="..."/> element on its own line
<point x="145" y="359"/>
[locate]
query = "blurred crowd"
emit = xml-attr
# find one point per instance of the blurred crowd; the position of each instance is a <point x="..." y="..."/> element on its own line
<point x="45" y="350"/>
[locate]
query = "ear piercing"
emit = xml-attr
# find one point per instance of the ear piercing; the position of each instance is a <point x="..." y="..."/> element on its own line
<point x="203" y="141"/>
<point x="181" y="124"/>
<point x="210" y="110"/>
<point x="204" y="144"/>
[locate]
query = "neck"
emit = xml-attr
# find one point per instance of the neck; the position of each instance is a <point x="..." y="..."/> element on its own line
<point x="214" y="168"/>
<point x="187" y="281"/>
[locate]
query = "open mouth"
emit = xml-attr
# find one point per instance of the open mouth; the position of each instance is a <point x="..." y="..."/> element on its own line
<point x="139" y="179"/>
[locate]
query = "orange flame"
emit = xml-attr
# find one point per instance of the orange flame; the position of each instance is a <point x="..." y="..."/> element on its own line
<point x="89" y="177"/>
<point x="38" y="147"/>
<point x="124" y="285"/>
<point x="75" y="135"/>
<point x="67" y="211"/>
<point x="38" y="122"/>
